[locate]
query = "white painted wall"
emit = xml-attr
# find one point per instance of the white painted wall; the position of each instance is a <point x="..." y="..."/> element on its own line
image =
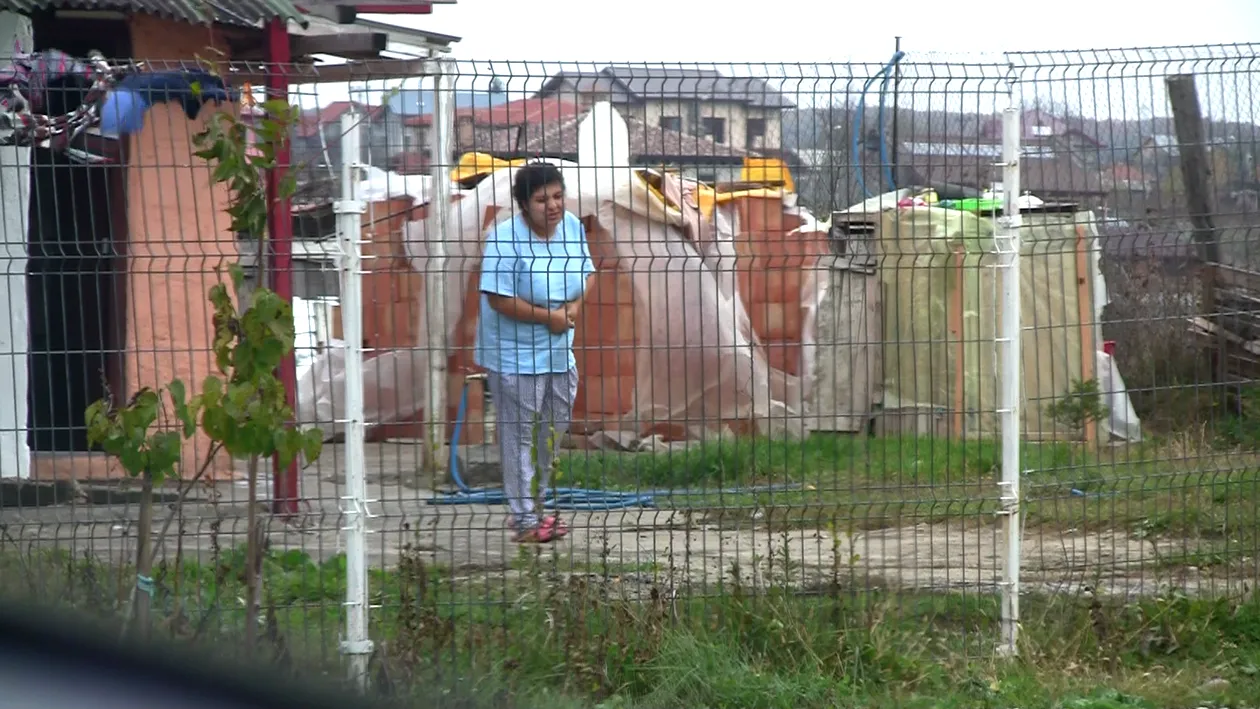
<point x="15" y="194"/>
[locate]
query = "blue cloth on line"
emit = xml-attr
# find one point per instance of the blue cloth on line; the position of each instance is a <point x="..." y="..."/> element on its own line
<point x="122" y="112"/>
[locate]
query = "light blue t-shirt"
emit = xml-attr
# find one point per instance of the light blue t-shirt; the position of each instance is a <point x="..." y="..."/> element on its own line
<point x="544" y="272"/>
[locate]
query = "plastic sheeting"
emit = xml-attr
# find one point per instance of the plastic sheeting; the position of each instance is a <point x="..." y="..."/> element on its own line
<point x="698" y="362"/>
<point x="380" y="185"/>
<point x="941" y="308"/>
<point x="393" y="389"/>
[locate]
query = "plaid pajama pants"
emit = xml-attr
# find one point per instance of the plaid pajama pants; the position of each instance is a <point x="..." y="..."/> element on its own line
<point x="531" y="412"/>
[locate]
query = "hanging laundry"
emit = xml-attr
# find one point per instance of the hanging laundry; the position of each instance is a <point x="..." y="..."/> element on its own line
<point x="28" y="78"/>
<point x="115" y="100"/>
<point x="25" y="86"/>
<point x="122" y="112"/>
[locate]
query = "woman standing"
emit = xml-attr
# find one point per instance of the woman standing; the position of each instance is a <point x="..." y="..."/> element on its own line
<point x="535" y="272"/>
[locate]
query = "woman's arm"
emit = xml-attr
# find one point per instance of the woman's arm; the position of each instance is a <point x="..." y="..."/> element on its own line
<point x="521" y="310"/>
<point x="518" y="308"/>
<point x="574" y="307"/>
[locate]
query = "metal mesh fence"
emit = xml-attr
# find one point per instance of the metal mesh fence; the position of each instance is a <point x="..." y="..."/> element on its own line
<point x="788" y="373"/>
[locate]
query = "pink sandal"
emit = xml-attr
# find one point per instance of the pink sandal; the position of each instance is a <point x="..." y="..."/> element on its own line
<point x="559" y="528"/>
<point x="549" y="530"/>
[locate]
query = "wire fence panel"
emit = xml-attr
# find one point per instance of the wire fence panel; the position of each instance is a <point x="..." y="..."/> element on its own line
<point x="787" y="392"/>
<point x="1170" y="508"/>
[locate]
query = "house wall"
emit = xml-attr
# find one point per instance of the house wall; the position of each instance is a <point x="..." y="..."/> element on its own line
<point x="308" y="150"/>
<point x="15" y="194"/>
<point x="650" y="112"/>
<point x="736" y="115"/>
<point x="382" y="139"/>
<point x="387" y="135"/>
<point x="415" y="137"/>
<point x="178" y="234"/>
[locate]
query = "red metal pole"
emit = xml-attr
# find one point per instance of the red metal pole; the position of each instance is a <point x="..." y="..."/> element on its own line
<point x="285" y="489"/>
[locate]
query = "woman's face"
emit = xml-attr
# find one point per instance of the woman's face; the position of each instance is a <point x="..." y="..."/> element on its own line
<point x="546" y="205"/>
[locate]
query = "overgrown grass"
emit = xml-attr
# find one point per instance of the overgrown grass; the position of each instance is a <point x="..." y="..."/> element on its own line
<point x="549" y="634"/>
<point x="1162" y="487"/>
<point x="548" y="638"/>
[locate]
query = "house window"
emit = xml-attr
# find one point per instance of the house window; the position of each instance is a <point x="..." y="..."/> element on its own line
<point x="1042" y="131"/>
<point x="755" y="132"/>
<point x="673" y="123"/>
<point x="714" y="129"/>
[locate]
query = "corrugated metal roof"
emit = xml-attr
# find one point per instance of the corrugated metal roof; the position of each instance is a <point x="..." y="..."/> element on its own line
<point x="232" y="12"/>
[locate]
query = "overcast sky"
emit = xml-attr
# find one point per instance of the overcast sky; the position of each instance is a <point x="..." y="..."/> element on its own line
<point x="821" y="30"/>
<point x="523" y="41"/>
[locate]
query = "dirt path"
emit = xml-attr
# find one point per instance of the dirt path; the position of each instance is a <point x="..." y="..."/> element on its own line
<point x="652" y="546"/>
<point x="664" y="547"/>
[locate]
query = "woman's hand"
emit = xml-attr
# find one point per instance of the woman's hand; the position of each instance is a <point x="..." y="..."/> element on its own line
<point x="559" y="320"/>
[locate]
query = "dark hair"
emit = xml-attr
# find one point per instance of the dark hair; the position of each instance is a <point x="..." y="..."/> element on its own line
<point x="533" y="177"/>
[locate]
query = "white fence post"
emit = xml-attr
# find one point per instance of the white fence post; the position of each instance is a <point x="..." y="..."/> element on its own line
<point x="1011" y="378"/>
<point x="436" y="233"/>
<point x="349" y="209"/>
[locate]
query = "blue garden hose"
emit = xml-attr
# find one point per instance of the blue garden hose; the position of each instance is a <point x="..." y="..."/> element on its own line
<point x="885" y="72"/>
<point x="562" y="498"/>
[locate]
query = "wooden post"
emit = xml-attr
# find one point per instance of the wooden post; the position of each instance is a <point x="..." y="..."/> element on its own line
<point x="1085" y="314"/>
<point x="957" y="331"/>
<point x="1196" y="173"/>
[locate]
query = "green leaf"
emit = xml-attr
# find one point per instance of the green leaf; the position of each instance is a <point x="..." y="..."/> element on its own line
<point x="97" y="419"/>
<point x="287" y="446"/>
<point x="183" y="411"/>
<point x="164" y="455"/>
<point x="312" y="444"/>
<point x="133" y="460"/>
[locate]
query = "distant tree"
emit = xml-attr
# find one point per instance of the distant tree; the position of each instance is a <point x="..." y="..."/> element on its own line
<point x="496" y="85"/>
<point x="820" y="136"/>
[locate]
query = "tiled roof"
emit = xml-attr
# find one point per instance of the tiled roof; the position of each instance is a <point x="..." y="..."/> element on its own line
<point x="549" y="109"/>
<point x="639" y="82"/>
<point x="648" y="81"/>
<point x="230" y="12"/>
<point x="545" y="110"/>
